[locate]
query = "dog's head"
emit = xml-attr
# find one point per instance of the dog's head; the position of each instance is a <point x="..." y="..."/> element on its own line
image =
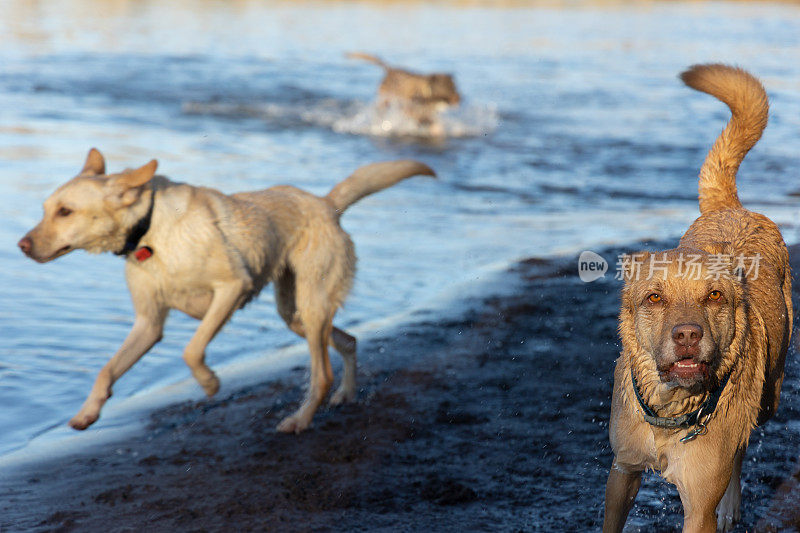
<point x="92" y="211"/>
<point x="443" y="89"/>
<point x="680" y="307"/>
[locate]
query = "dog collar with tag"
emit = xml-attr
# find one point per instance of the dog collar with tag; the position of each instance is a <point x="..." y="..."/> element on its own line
<point x="143" y="253"/>
<point x="699" y="417"/>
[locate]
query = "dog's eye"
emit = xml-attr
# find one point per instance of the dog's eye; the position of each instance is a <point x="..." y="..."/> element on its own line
<point x="714" y="296"/>
<point x="64" y="212"/>
<point x="654" y="298"/>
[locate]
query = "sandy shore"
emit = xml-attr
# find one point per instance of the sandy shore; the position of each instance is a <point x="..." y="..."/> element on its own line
<point x="488" y="416"/>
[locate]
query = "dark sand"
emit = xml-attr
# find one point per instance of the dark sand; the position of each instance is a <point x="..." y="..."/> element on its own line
<point x="488" y="416"/>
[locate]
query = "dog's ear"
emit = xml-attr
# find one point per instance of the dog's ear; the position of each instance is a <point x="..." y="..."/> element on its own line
<point x="138" y="176"/>
<point x="124" y="189"/>
<point x="95" y="163"/>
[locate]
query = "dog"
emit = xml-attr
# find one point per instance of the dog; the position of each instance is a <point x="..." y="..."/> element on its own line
<point x="702" y="354"/>
<point x="421" y="97"/>
<point x="207" y="254"/>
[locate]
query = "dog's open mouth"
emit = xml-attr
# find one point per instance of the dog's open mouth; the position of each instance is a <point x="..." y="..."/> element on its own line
<point x="688" y="369"/>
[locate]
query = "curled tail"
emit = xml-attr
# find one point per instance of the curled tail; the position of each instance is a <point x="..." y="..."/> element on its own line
<point x="747" y="100"/>
<point x="373" y="178"/>
<point x="366" y="57"/>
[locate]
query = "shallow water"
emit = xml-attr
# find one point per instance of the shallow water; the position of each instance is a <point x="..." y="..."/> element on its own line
<point x="575" y="134"/>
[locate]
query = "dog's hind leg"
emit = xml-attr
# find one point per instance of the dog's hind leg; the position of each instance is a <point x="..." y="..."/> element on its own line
<point x="227" y="298"/>
<point x="317" y="330"/>
<point x="343" y="342"/>
<point x="315" y="310"/>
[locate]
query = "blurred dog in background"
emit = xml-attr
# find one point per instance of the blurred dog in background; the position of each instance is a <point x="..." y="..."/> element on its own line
<point x="421" y="97"/>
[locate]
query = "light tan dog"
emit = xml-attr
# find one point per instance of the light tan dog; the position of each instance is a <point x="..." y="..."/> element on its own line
<point x="705" y="326"/>
<point x="420" y="96"/>
<point x="207" y="254"/>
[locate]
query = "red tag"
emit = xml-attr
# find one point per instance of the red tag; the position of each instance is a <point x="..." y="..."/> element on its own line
<point x="143" y="253"/>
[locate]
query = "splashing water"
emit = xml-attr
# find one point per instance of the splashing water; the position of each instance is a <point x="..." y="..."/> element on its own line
<point x="359" y="118"/>
<point x="463" y="121"/>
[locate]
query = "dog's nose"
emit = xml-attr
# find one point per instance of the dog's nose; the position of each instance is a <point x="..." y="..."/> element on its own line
<point x="687" y="334"/>
<point x="25" y="244"/>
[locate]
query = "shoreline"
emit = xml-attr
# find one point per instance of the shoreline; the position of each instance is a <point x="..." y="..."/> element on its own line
<point x="490" y="414"/>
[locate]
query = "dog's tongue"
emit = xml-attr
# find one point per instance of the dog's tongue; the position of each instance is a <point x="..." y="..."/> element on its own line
<point x="688" y="369"/>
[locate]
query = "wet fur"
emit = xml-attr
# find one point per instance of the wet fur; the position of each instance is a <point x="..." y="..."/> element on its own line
<point x="212" y="253"/>
<point x="747" y="335"/>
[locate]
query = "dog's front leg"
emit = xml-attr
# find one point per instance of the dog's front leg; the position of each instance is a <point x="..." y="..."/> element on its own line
<point x="226" y="299"/>
<point x="621" y="490"/>
<point x="704" y="480"/>
<point x="145" y="333"/>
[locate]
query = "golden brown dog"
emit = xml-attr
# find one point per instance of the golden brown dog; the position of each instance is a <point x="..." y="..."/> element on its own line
<point x="207" y="254"/>
<point x="420" y="96"/>
<point x="704" y="327"/>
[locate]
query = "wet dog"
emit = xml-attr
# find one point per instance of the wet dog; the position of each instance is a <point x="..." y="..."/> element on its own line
<point x="421" y="97"/>
<point x="704" y="329"/>
<point x="207" y="254"/>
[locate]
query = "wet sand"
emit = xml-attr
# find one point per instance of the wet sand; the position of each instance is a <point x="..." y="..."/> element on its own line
<point x="489" y="416"/>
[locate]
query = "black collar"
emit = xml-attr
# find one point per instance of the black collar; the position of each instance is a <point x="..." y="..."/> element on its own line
<point x="139" y="229"/>
<point x="699" y="417"/>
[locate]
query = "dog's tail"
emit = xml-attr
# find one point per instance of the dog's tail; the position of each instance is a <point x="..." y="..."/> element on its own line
<point x="747" y="100"/>
<point x="373" y="178"/>
<point x="367" y="57"/>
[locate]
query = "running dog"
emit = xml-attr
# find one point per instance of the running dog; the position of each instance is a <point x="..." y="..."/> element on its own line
<point x="704" y="329"/>
<point x="207" y="254"/>
<point x="420" y="96"/>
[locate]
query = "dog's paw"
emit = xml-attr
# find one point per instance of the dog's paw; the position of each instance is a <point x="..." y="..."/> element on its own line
<point x="293" y="424"/>
<point x="210" y="385"/>
<point x="725" y="523"/>
<point x="83" y="420"/>
<point x="342" y="395"/>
